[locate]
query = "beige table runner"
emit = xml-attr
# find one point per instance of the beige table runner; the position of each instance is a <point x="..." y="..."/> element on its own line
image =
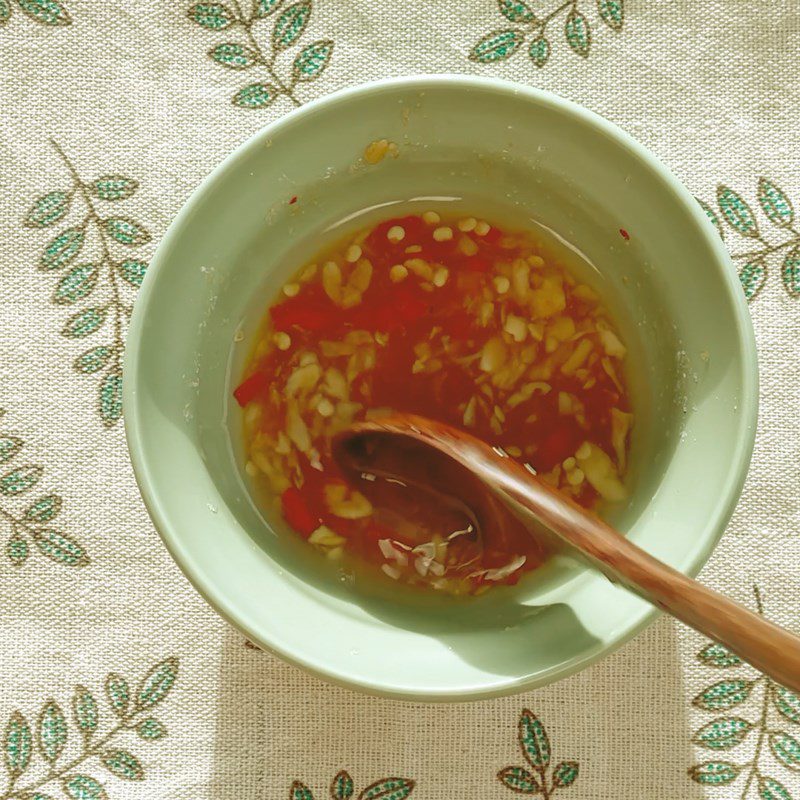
<point x="115" y="678"/>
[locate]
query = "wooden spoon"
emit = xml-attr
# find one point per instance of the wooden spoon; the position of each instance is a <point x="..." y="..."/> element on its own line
<point x="418" y="450"/>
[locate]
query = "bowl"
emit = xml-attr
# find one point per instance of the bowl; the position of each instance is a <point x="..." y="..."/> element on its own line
<point x="514" y="153"/>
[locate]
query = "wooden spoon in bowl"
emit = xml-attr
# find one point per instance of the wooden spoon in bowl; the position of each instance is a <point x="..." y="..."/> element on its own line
<point x="499" y="491"/>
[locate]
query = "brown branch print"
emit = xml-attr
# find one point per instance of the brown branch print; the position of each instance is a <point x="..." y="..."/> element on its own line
<point x="537" y="778"/>
<point x="776" y="706"/>
<point x="754" y="257"/>
<point x="247" y="53"/>
<point x="29" y="524"/>
<point x="131" y="712"/>
<point x="502" y="43"/>
<point x="106" y="274"/>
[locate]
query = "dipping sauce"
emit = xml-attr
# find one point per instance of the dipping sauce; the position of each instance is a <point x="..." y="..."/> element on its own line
<point x="453" y="319"/>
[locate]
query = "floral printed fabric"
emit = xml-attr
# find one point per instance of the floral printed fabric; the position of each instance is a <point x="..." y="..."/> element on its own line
<point x="112" y="114"/>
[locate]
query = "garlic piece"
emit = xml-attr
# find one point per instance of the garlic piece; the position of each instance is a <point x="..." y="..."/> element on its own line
<point x="621" y="423"/>
<point x="600" y="472"/>
<point x="493" y="355"/>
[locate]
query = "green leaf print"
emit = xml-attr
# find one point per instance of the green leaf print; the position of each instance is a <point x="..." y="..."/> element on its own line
<point x="234" y="56"/>
<point x="84" y="710"/>
<point x="787" y="703"/>
<point x="17" y="550"/>
<point x="723" y="695"/>
<point x="770" y="789"/>
<point x="539" y="51"/>
<point x="20" y="480"/>
<point x="44" y="509"/>
<point x="60" y="548"/>
<point x="723" y="734"/>
<point x="312" y="60"/>
<point x="5" y="11"/>
<point x="761" y="250"/>
<point x="790" y="272"/>
<point x="17" y="745"/>
<point x="84" y="323"/>
<point x="714" y="773"/>
<point x="256" y="95"/>
<point x="126" y="231"/>
<point x="612" y="12"/>
<point x="93" y="360"/>
<point x="157" y="683"/>
<point x="114" y="187"/>
<point x="83" y="787"/>
<point x="214" y="16"/>
<point x="52" y="731"/>
<point x="111" y="398"/>
<point x="48" y="12"/>
<point x="775" y="203"/>
<point x="519" y="779"/>
<point x="748" y="765"/>
<point x="516" y="11"/>
<point x="62" y="249"/>
<point x="123" y="764"/>
<point x="578" y="33"/>
<point x="736" y="212"/>
<point x="533" y="740"/>
<point x="151" y="729"/>
<point x="290" y="24"/>
<point x="71" y="768"/>
<point x="266" y="7"/>
<point x="712" y="215"/>
<point x="76" y="284"/>
<point x="342" y="787"/>
<point x="299" y="791"/>
<point x="565" y="773"/>
<point x="535" y="745"/>
<point x="9" y="447"/>
<point x="133" y="271"/>
<point x="497" y="46"/>
<point x="752" y="276"/>
<point x="118" y="694"/>
<point x="107" y="271"/>
<point x="388" y="789"/>
<point x="48" y="210"/>
<point x="786" y="749"/>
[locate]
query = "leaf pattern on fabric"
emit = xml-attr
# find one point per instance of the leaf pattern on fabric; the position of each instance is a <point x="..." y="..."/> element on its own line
<point x="45" y="12"/>
<point x="23" y="514"/>
<point x="774" y="244"/>
<point x="267" y="29"/>
<point x="739" y="743"/>
<point x="100" y="742"/>
<point x="342" y="788"/>
<point x="532" y="25"/>
<point x="99" y="286"/>
<point x="534" y="743"/>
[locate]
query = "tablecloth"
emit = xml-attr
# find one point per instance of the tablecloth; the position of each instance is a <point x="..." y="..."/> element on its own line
<point x="116" y="680"/>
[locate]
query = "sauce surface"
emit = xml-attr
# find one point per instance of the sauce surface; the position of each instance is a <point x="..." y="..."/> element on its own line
<point x="453" y="319"/>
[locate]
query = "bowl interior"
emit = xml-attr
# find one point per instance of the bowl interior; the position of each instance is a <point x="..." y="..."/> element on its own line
<point x="518" y="157"/>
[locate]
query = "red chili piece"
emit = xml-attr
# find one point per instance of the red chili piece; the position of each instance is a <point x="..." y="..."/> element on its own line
<point x="624" y="234"/>
<point x="297" y="513"/>
<point x="250" y="388"/>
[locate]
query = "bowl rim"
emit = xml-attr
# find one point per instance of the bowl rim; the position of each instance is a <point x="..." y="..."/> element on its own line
<point x="748" y="403"/>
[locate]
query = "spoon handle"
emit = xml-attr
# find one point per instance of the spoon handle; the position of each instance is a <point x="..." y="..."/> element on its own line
<point x="768" y="647"/>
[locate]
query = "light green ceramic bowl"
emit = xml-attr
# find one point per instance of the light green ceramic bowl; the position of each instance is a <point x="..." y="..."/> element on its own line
<point x="512" y="152"/>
